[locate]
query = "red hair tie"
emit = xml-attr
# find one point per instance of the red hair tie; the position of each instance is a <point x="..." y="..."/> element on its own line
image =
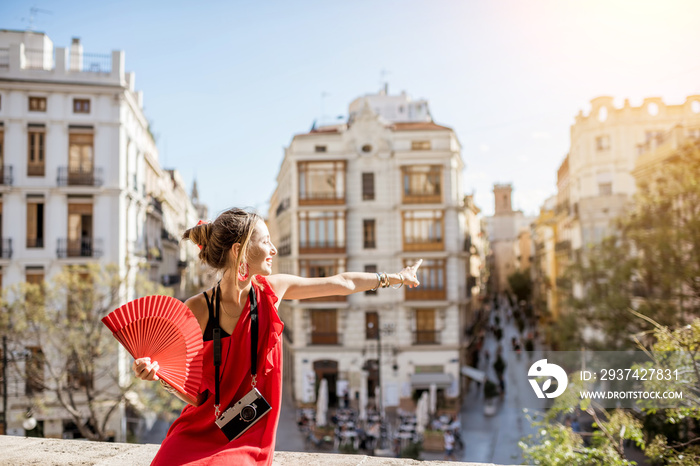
<point x="201" y="222"/>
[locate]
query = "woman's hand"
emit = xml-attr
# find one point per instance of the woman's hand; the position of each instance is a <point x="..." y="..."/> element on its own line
<point x="409" y="274"/>
<point x="144" y="369"/>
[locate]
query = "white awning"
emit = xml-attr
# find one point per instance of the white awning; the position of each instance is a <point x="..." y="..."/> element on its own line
<point x="474" y="373"/>
<point x="423" y="380"/>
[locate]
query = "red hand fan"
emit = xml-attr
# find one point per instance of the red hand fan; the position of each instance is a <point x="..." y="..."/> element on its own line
<point x="165" y="330"/>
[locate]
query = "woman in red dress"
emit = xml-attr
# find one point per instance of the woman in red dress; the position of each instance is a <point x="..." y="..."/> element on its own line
<point x="237" y="244"/>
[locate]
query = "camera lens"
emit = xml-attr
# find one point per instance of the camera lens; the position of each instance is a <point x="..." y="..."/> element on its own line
<point x="248" y="413"/>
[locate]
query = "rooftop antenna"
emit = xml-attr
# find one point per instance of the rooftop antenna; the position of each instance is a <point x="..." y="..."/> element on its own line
<point x="32" y="14"/>
<point x="383" y="81"/>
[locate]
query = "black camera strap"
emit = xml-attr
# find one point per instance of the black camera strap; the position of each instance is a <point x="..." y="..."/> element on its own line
<point x="216" y="333"/>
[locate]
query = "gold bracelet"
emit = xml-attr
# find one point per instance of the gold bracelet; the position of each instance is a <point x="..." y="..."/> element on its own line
<point x="400" y="284"/>
<point x="385" y="280"/>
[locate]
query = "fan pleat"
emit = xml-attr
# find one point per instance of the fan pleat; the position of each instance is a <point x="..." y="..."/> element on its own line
<point x="165" y="330"/>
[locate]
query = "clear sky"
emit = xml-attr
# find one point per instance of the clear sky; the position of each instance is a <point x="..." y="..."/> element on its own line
<point x="227" y="84"/>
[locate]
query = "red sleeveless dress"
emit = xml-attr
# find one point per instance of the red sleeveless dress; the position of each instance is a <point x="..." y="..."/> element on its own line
<point x="193" y="438"/>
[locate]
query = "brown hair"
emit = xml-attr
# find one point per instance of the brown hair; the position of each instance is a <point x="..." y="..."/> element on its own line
<point x="218" y="237"/>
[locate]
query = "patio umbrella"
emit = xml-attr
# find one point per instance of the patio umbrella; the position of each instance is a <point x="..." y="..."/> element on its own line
<point x="380" y="402"/>
<point x="363" y="403"/>
<point x="433" y="398"/>
<point x="322" y="403"/>
<point x="422" y="413"/>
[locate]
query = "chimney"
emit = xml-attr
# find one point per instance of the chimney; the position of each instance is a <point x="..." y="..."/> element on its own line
<point x="76" y="55"/>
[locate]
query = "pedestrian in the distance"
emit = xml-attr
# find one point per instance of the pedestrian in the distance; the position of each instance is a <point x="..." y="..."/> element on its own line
<point x="449" y="445"/>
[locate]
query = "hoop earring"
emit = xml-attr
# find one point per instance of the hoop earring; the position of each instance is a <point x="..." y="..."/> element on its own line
<point x="243" y="276"/>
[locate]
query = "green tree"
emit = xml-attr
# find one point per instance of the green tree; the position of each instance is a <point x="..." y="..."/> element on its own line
<point x="520" y="284"/>
<point x="651" y="263"/>
<point x="668" y="436"/>
<point x="73" y="355"/>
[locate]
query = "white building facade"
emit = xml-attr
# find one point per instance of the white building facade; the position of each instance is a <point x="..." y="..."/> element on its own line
<point x="375" y="194"/>
<point x="81" y="181"/>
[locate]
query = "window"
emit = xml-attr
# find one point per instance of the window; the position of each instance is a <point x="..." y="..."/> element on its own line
<point x="320" y="149"/>
<point x="321" y="182"/>
<point x="35" y="224"/>
<point x="322" y="232"/>
<point x="34" y="371"/>
<point x="2" y="157"/>
<point x="425" y="327"/>
<point x="371" y="325"/>
<point x="324" y="327"/>
<point x="371" y="269"/>
<point x="320" y="267"/>
<point x="420" y="145"/>
<point x="80" y="158"/>
<point x="602" y="143"/>
<point x="605" y="189"/>
<point x="81" y="105"/>
<point x="80" y="241"/>
<point x="369" y="234"/>
<point x="422" y="183"/>
<point x="368" y="186"/>
<point x="423" y="230"/>
<point x="37" y="104"/>
<point x="36" y="150"/>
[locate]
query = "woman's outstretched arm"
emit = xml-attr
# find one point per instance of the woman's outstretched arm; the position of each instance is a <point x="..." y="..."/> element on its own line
<point x="293" y="287"/>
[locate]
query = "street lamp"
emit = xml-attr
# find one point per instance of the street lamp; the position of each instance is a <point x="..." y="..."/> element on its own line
<point x="388" y="330"/>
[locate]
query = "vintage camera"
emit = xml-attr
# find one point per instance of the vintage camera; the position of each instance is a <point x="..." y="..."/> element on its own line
<point x="243" y="414"/>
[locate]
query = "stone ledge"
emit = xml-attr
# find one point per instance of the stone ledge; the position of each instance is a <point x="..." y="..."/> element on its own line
<point x="27" y="451"/>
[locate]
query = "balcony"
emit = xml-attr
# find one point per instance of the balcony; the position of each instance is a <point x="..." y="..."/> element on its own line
<point x="84" y="247"/>
<point x="157" y="205"/>
<point x="423" y="244"/>
<point x="6" y="248"/>
<point x="417" y="197"/>
<point x="35" y="243"/>
<point x="36" y="170"/>
<point x="426" y="337"/>
<point x="6" y="178"/>
<point x="321" y="247"/>
<point x="425" y="294"/>
<point x="325" y="338"/>
<point x="166" y="236"/>
<point x="76" y="176"/>
<point x="321" y="198"/>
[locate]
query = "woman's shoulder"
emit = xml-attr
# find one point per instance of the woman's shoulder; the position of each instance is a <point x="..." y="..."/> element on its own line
<point x="266" y="287"/>
<point x="198" y="306"/>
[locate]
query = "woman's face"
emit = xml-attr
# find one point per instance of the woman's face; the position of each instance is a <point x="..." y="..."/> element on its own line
<point x="261" y="250"/>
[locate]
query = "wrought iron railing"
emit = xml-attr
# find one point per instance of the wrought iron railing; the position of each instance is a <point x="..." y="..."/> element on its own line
<point x="6" y="248"/>
<point x="78" y="176"/>
<point x="6" y="177"/>
<point x="83" y="247"/>
<point x="35" y="242"/>
<point x="4" y="58"/>
<point x="325" y="338"/>
<point x="426" y="337"/>
<point x="97" y="63"/>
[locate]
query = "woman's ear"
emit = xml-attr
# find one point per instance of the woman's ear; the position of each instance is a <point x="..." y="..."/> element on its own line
<point x="235" y="250"/>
